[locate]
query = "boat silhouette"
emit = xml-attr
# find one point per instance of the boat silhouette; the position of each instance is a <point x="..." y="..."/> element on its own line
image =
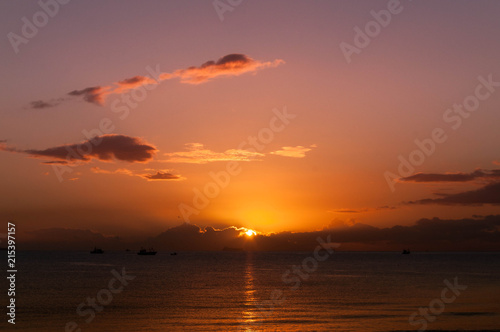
<point x="97" y="251"/>
<point x="149" y="251"/>
<point x="406" y="251"/>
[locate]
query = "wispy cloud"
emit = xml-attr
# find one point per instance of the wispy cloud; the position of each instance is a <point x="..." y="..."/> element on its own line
<point x="94" y="94"/>
<point x="488" y="194"/>
<point x="40" y="104"/>
<point x="363" y="210"/>
<point x="453" y="177"/>
<point x="105" y="148"/>
<point x="197" y="154"/>
<point x="293" y="151"/>
<point x="229" y="65"/>
<point x="163" y="175"/>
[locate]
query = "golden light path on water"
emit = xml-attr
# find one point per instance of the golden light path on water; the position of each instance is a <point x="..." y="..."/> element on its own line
<point x="249" y="316"/>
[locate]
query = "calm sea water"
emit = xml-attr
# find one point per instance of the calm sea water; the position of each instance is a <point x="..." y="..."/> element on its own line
<point x="222" y="291"/>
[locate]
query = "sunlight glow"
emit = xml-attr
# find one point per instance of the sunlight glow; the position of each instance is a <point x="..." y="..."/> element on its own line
<point x="250" y="232"/>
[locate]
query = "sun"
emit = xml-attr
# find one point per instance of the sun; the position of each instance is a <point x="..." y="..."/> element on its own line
<point x="250" y="232"/>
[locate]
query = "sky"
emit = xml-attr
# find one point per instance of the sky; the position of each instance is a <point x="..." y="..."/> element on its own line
<point x="126" y="119"/>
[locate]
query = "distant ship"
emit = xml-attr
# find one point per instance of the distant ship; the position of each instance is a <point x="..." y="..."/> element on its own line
<point x="97" y="251"/>
<point x="149" y="251"/>
<point x="232" y="249"/>
<point x="406" y="251"/>
<point x="173" y="253"/>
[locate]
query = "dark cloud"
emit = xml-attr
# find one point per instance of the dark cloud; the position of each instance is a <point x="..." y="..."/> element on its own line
<point x="489" y="194"/>
<point x="379" y="208"/>
<point x="425" y="234"/>
<point x="228" y="65"/>
<point x="95" y="94"/>
<point x="39" y="104"/>
<point x="234" y="58"/>
<point x="162" y="176"/>
<point x="135" y="80"/>
<point x="105" y="147"/>
<point x="55" y="162"/>
<point x="453" y="177"/>
<point x="476" y="234"/>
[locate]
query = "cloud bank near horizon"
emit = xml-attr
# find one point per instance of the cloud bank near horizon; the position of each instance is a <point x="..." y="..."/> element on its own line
<point x="478" y="233"/>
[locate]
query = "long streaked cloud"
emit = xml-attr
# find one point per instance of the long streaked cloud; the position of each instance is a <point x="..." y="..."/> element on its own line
<point x="41" y="104"/>
<point x="363" y="210"/>
<point x="94" y="94"/>
<point x="488" y="194"/>
<point x="197" y="154"/>
<point x="161" y="175"/>
<point x="453" y="177"/>
<point x="293" y="151"/>
<point x="229" y="65"/>
<point x="105" y="148"/>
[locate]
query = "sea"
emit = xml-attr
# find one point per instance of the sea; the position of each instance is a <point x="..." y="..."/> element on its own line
<point x="255" y="291"/>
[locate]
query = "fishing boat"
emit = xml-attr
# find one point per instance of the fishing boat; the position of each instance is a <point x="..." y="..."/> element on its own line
<point x="97" y="251"/>
<point x="149" y="251"/>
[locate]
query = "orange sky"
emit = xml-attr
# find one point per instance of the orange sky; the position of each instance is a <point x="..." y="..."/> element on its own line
<point x="261" y="112"/>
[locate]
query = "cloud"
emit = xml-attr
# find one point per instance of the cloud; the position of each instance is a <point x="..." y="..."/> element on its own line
<point x="39" y="104"/>
<point x="489" y="194"/>
<point x="379" y="208"/>
<point x="99" y="170"/>
<point x="293" y="151"/>
<point x="453" y="177"/>
<point x="425" y="234"/>
<point x="95" y="94"/>
<point x="132" y="83"/>
<point x="163" y="175"/>
<point x="229" y="65"/>
<point x="55" y="162"/>
<point x="478" y="234"/>
<point x="198" y="154"/>
<point x="104" y="148"/>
